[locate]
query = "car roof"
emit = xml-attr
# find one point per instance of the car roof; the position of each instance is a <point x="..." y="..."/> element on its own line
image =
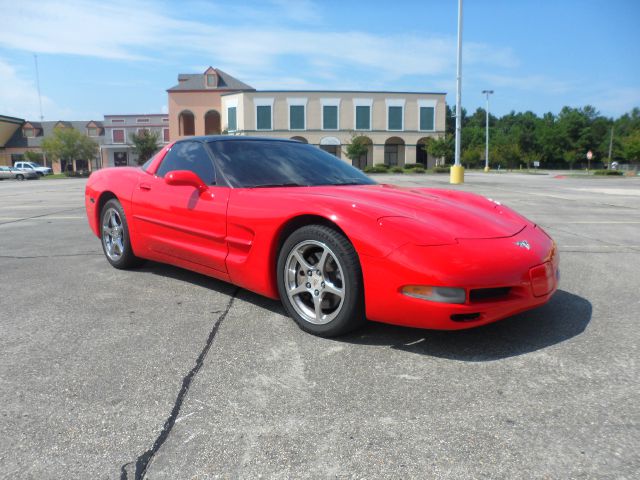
<point x="234" y="138"/>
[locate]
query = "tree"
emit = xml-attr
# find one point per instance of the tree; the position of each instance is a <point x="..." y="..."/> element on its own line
<point x="357" y="147"/>
<point x="34" y="157"/>
<point x="145" y="144"/>
<point x="632" y="147"/>
<point x="442" y="147"/>
<point x="69" y="146"/>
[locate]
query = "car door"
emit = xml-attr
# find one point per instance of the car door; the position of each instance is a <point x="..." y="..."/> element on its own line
<point x="180" y="220"/>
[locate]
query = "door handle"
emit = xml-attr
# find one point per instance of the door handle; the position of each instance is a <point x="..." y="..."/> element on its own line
<point x="145" y="186"/>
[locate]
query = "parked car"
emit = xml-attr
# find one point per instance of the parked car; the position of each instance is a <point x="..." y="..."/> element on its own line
<point x="290" y="221"/>
<point x="14" y="173"/>
<point x="33" y="166"/>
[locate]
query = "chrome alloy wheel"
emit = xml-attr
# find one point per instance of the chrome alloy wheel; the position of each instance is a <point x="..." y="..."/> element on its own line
<point x="112" y="234"/>
<point x="314" y="282"/>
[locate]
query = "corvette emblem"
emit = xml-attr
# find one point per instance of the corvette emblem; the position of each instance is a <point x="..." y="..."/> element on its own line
<point x="523" y="244"/>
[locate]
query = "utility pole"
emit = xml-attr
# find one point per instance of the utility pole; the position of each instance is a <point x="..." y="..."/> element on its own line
<point x="610" y="146"/>
<point x="486" y="146"/>
<point x="35" y="57"/>
<point x="457" y="170"/>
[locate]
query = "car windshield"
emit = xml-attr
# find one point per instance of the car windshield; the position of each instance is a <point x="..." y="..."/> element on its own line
<point x="272" y="163"/>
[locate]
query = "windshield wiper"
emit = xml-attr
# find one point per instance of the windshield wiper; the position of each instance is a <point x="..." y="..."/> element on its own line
<point x="270" y="185"/>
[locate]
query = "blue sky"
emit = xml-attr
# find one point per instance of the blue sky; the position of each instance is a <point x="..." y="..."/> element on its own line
<point x="117" y="57"/>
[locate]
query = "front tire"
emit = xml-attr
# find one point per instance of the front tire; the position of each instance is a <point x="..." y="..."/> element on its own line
<point x="116" y="243"/>
<point x="320" y="281"/>
<point x="19" y="177"/>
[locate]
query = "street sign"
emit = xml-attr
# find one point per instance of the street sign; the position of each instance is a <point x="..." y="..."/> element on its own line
<point x="589" y="155"/>
<point x="536" y="164"/>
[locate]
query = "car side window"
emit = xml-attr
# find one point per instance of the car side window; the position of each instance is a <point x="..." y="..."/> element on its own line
<point x="188" y="156"/>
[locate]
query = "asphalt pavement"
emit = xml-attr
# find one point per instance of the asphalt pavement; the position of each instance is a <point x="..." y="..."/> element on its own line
<point x="163" y="373"/>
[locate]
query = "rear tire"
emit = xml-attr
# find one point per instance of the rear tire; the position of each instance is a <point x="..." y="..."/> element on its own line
<point x="320" y="281"/>
<point x="114" y="233"/>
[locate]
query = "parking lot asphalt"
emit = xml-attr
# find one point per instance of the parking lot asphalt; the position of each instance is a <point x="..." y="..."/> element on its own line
<point x="109" y="374"/>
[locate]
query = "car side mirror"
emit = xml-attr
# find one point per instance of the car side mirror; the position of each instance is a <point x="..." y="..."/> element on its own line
<point x="185" y="178"/>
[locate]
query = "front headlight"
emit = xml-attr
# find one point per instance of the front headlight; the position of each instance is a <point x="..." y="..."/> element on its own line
<point x="435" y="294"/>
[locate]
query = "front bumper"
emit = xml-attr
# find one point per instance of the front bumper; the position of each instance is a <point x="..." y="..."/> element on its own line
<point x="524" y="279"/>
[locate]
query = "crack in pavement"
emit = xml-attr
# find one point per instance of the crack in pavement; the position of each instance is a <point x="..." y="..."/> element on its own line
<point x="43" y="215"/>
<point x="13" y="257"/>
<point x="143" y="461"/>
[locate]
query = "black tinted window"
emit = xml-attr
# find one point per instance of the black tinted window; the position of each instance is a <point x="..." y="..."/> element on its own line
<point x="253" y="163"/>
<point x="188" y="156"/>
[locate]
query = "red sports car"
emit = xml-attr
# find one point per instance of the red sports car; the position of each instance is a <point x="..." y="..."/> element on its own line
<point x="289" y="221"/>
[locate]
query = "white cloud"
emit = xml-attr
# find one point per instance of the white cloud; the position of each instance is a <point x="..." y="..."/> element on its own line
<point x="540" y="83"/>
<point x="614" y="101"/>
<point x="19" y="95"/>
<point x="131" y="30"/>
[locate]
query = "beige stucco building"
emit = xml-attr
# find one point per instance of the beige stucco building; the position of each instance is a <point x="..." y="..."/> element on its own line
<point x="395" y="125"/>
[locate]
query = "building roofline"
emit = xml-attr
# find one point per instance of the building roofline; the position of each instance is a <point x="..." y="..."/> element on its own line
<point x="136" y="115"/>
<point x="338" y="91"/>
<point x="213" y="90"/>
<point x="7" y="118"/>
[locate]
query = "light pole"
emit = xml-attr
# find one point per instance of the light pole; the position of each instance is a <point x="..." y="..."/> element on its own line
<point x="457" y="170"/>
<point x="486" y="146"/>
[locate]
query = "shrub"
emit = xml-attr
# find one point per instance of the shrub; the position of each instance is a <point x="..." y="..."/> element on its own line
<point x="397" y="169"/>
<point x="607" y="172"/>
<point x="410" y="166"/>
<point x="417" y="170"/>
<point x="376" y="169"/>
<point x="441" y="169"/>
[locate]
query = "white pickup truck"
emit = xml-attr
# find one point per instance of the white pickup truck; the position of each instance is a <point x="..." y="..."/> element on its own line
<point x="36" y="167"/>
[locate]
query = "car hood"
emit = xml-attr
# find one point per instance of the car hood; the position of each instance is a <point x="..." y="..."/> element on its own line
<point x="453" y="214"/>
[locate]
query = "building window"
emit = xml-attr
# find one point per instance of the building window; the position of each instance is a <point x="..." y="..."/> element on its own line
<point x="118" y="135"/>
<point x="92" y="131"/>
<point x="142" y="120"/>
<point x="296" y="117"/>
<point x="330" y="117"/>
<point x="427" y="116"/>
<point x="165" y="120"/>
<point x="117" y="120"/>
<point x="28" y="132"/>
<point x="363" y="118"/>
<point x="232" y="119"/>
<point x="395" y="118"/>
<point x="211" y="80"/>
<point x="263" y="117"/>
<point x="165" y="135"/>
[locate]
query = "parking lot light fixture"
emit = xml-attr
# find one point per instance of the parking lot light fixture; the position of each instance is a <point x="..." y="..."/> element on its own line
<point x="486" y="147"/>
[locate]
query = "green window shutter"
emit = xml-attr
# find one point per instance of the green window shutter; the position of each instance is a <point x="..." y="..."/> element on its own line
<point x="395" y="118"/>
<point x="426" y="118"/>
<point x="330" y="117"/>
<point x="296" y="117"/>
<point x="232" y="119"/>
<point x="363" y="117"/>
<point x="263" y="117"/>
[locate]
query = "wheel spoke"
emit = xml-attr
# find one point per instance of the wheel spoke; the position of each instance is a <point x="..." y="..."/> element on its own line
<point x="323" y="260"/>
<point x="119" y="246"/>
<point x="331" y="289"/>
<point x="296" y="291"/>
<point x="303" y="263"/>
<point x="317" y="302"/>
<point x="106" y="230"/>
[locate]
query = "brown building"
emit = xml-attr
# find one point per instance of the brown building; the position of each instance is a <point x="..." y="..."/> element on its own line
<point x="195" y="105"/>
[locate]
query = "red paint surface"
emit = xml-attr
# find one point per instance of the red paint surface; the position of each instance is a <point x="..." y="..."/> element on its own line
<point x="403" y="236"/>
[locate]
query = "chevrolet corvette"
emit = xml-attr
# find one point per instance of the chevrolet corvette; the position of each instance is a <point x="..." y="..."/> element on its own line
<point x="290" y="221"/>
